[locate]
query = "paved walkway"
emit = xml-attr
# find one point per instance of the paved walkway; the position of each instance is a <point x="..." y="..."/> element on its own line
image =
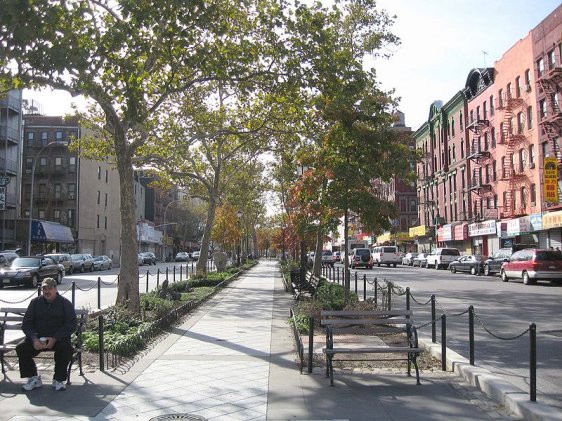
<point x="234" y="359"/>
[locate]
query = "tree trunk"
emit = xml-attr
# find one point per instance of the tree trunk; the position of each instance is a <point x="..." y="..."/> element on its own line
<point x="317" y="269"/>
<point x="128" y="288"/>
<point x="206" y="240"/>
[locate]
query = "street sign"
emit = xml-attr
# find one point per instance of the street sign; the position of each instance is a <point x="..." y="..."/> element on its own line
<point x="4" y="180"/>
<point x="2" y="198"/>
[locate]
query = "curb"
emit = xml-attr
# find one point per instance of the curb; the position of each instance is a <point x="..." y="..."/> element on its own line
<point x="504" y="393"/>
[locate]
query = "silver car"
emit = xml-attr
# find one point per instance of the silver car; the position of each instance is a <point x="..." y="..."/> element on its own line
<point x="83" y="262"/>
<point x="102" y="262"/>
<point x="63" y="259"/>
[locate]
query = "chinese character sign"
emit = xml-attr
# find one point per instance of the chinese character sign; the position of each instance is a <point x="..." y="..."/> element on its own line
<point x="550" y="176"/>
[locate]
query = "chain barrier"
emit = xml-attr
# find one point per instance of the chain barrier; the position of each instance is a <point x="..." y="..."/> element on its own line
<point x="110" y="283"/>
<point x="87" y="289"/>
<point x="65" y="291"/>
<point x="418" y="327"/>
<point x="417" y="302"/>
<point x="503" y="338"/>
<point x="21" y="301"/>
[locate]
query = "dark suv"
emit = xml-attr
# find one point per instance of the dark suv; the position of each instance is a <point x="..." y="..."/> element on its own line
<point x="148" y="258"/>
<point x="30" y="271"/>
<point x="493" y="264"/>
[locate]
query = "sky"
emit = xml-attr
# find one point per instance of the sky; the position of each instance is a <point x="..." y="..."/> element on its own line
<point x="441" y="41"/>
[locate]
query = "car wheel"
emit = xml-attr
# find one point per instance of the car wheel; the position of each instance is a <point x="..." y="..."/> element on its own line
<point x="71" y="271"/>
<point x="59" y="278"/>
<point x="110" y="266"/>
<point x="473" y="270"/>
<point x="453" y="270"/>
<point x="378" y="264"/>
<point x="527" y="280"/>
<point x="35" y="281"/>
<point x="504" y="276"/>
<point x="436" y="266"/>
<point x="92" y="268"/>
<point x="82" y="268"/>
<point x="487" y="270"/>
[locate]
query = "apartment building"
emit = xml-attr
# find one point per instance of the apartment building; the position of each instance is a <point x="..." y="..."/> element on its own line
<point x="485" y="159"/>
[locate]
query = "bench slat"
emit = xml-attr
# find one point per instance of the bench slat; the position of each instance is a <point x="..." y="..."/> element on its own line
<point x="366" y="322"/>
<point x="344" y="313"/>
<point x="388" y="350"/>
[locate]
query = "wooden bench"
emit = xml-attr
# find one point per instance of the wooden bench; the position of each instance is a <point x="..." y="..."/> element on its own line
<point x="305" y="287"/>
<point x="11" y="318"/>
<point x="356" y="334"/>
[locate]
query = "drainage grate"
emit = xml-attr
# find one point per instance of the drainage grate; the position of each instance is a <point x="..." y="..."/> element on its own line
<point x="178" y="417"/>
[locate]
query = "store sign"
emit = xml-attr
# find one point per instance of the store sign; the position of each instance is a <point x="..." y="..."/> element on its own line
<point x="518" y="226"/>
<point x="482" y="228"/>
<point x="418" y="231"/>
<point x="447" y="232"/>
<point x="550" y="179"/>
<point x="552" y="220"/>
<point x="460" y="232"/>
<point x="536" y="221"/>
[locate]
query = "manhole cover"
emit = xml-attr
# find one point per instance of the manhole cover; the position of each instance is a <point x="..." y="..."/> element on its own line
<point x="178" y="417"/>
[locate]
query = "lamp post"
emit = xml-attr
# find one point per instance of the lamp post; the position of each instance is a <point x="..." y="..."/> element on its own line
<point x="165" y="224"/>
<point x="239" y="216"/>
<point x="31" y="191"/>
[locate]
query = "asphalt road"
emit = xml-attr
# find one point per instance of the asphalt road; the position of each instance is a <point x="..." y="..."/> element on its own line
<point x="503" y="313"/>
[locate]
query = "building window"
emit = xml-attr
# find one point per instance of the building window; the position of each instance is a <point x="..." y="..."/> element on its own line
<point x="505" y="205"/>
<point x="493" y="136"/>
<point x="58" y="190"/>
<point x="97" y="221"/>
<point x="462" y="149"/>
<point x="105" y="199"/>
<point x="495" y="201"/>
<point x="500" y="98"/>
<point x="29" y="164"/>
<point x="509" y="91"/>
<point x="491" y="105"/>
<point x="453" y="127"/>
<point x="529" y="117"/>
<point x="522" y="163"/>
<point x="72" y="164"/>
<point x="551" y="60"/>
<point x="43" y="162"/>
<point x="105" y="223"/>
<point x="106" y="176"/>
<point x="485" y="110"/>
<point x="58" y="163"/>
<point x="503" y="167"/>
<point x="544" y="148"/>
<point x="533" y="193"/>
<point x="494" y="172"/>
<point x="523" y="193"/>
<point x="30" y="138"/>
<point x="528" y="80"/>
<point x="41" y="214"/>
<point x="71" y="188"/>
<point x="58" y="136"/>
<point x="99" y="196"/>
<point x="531" y="154"/>
<point x="540" y="66"/>
<point x="44" y="138"/>
<point x="460" y="121"/>
<point x="56" y="215"/>
<point x="518" y="87"/>
<point x="454" y="154"/>
<point x="99" y="173"/>
<point x="520" y="122"/>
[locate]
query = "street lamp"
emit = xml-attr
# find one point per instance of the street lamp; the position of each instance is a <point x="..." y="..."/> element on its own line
<point x="239" y="216"/>
<point x="165" y="224"/>
<point x="31" y="192"/>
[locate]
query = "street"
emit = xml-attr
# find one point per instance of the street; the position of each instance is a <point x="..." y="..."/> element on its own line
<point x="505" y="309"/>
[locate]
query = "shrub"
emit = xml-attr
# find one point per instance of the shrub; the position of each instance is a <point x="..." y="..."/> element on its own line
<point x="330" y="296"/>
<point x="159" y="307"/>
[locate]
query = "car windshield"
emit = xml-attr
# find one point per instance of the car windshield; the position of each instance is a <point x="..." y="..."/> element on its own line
<point x="326" y="253"/>
<point x="76" y="256"/>
<point x="98" y="259"/>
<point x="548" y="255"/>
<point x="450" y="252"/>
<point x="389" y="250"/>
<point x="26" y="262"/>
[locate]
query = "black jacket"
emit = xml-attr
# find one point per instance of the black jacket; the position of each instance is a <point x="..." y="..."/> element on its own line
<point x="56" y="319"/>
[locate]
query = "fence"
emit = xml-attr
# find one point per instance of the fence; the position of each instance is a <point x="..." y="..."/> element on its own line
<point x="385" y="293"/>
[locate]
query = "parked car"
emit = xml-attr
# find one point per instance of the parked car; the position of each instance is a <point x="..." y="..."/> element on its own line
<point x="64" y="259"/>
<point x="148" y="258"/>
<point x="19" y="251"/>
<point x="7" y="257"/>
<point x="139" y="259"/>
<point x="386" y="255"/>
<point x="494" y="263"/>
<point x="82" y="262"/>
<point x="469" y="263"/>
<point x="441" y="257"/>
<point x="408" y="259"/>
<point x="531" y="265"/>
<point x="327" y="258"/>
<point x="361" y="257"/>
<point x="420" y="260"/>
<point x="102" y="262"/>
<point x="182" y="256"/>
<point x="30" y="271"/>
<point x="337" y="256"/>
<point x="195" y="255"/>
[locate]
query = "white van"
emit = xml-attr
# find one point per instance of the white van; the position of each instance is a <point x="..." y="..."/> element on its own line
<point x="441" y="257"/>
<point x="387" y="255"/>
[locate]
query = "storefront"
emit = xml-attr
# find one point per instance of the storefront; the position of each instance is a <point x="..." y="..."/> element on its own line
<point x="484" y="237"/>
<point x="423" y="237"/>
<point x="551" y="236"/>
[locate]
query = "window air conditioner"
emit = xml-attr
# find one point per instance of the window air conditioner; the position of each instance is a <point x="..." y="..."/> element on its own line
<point x="532" y="165"/>
<point x="71" y="196"/>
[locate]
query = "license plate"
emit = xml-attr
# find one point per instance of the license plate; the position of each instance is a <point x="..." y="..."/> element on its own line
<point x="6" y="281"/>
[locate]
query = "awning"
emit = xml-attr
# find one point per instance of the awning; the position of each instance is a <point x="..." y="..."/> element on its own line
<point x="47" y="231"/>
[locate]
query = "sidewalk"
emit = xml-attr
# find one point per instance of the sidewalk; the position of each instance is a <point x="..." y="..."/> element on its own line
<point x="234" y="359"/>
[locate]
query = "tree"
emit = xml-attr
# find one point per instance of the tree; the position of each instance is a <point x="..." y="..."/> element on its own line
<point x="129" y="57"/>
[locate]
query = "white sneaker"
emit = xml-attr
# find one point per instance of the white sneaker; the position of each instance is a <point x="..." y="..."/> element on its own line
<point x="32" y="383"/>
<point x="58" y="386"/>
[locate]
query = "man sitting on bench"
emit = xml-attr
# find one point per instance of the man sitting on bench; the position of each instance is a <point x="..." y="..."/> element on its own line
<point x="48" y="324"/>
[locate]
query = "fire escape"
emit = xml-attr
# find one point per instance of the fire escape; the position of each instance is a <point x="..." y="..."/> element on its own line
<point x="550" y="82"/>
<point x="479" y="183"/>
<point x="511" y="139"/>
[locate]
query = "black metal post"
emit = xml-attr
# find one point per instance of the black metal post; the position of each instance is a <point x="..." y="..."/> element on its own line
<point x="99" y="292"/>
<point x="100" y="341"/>
<point x="364" y="287"/>
<point x="355" y="279"/>
<point x="338" y="276"/>
<point x="389" y="286"/>
<point x="39" y="290"/>
<point x="310" y="343"/>
<point x="433" y="321"/>
<point x="471" y="333"/>
<point x="533" y="355"/>
<point x="407" y="298"/>
<point x="147" y="281"/>
<point x="174" y="274"/>
<point x="376" y="284"/>
<point x="158" y="276"/>
<point x="73" y="293"/>
<point x="181" y="274"/>
<point x="444" y="342"/>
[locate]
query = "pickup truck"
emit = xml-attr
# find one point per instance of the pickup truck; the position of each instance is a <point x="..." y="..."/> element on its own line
<point x="328" y="258"/>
